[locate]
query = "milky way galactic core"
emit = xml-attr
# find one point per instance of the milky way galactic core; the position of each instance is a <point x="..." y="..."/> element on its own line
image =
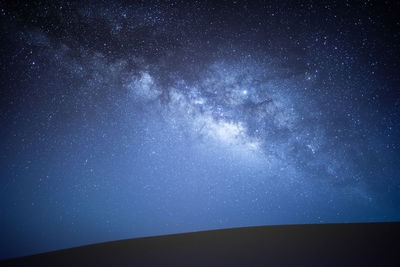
<point x="122" y="120"/>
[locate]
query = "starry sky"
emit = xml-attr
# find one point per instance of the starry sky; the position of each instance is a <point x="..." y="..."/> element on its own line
<point x="130" y="119"/>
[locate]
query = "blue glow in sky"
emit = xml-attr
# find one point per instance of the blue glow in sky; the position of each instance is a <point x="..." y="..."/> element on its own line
<point x="122" y="121"/>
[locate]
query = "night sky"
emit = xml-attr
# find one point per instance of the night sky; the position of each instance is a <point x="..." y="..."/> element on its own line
<point x="122" y="120"/>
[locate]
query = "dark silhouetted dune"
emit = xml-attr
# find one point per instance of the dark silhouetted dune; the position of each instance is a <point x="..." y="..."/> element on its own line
<point x="356" y="244"/>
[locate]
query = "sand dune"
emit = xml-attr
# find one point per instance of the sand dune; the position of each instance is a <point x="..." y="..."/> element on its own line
<point x="357" y="244"/>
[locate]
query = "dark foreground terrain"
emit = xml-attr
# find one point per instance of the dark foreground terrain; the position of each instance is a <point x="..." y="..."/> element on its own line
<point x="365" y="244"/>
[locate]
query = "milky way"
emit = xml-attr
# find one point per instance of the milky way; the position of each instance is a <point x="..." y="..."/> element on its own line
<point x="127" y="120"/>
